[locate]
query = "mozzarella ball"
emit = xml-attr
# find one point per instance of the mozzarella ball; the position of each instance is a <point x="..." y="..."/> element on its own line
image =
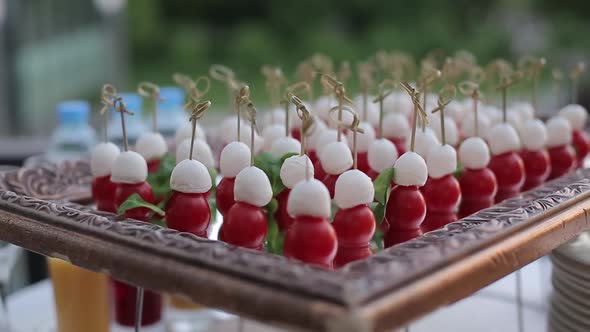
<point x="576" y="115"/>
<point x="347" y="119"/>
<point x="468" y="125"/>
<point x="253" y="187"/>
<point x="493" y="113"/>
<point x="201" y="152"/>
<point x="102" y="158"/>
<point x="284" y="145"/>
<point x="328" y="136"/>
<point x="371" y="113"/>
<point x="559" y="132"/>
<point x="456" y="111"/>
<point x="474" y="153"/>
<point x="399" y="102"/>
<point x="382" y="154"/>
<point x="186" y="132"/>
<point x="322" y="107"/>
<point x="514" y="119"/>
<point x="396" y="125"/>
<point x="533" y="134"/>
<point x="503" y="138"/>
<point x="294" y="170"/>
<point x="316" y="132"/>
<point x="451" y="131"/>
<point x="190" y="177"/>
<point x="234" y="157"/>
<point x="353" y="188"/>
<point x="336" y="158"/>
<point x="441" y="161"/>
<point x="273" y="117"/>
<point x="363" y="140"/>
<point x="410" y="170"/>
<point x="425" y="140"/>
<point x="525" y="110"/>
<point x="129" y="167"/>
<point x="152" y="146"/>
<point x="309" y="198"/>
<point x="271" y="134"/>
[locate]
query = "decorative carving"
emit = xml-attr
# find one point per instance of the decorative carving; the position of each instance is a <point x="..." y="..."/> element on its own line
<point x="352" y="285"/>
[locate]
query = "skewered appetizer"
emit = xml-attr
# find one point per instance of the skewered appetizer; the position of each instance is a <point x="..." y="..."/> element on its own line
<point x="536" y="161"/>
<point x="577" y="116"/>
<point x="396" y="128"/>
<point x="382" y="155"/>
<point x="363" y="142"/>
<point x="506" y="163"/>
<point x="335" y="159"/>
<point x="292" y="172"/>
<point x="561" y="153"/>
<point x="130" y="173"/>
<point x="234" y="158"/>
<point x="103" y="189"/>
<point x="152" y="147"/>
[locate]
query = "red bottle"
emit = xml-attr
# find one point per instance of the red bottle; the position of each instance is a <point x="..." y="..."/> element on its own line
<point x="125" y="297"/>
<point x="245" y="224"/>
<point x="311" y="238"/>
<point x="406" y="207"/>
<point x="478" y="183"/>
<point x="103" y="193"/>
<point x="442" y="198"/>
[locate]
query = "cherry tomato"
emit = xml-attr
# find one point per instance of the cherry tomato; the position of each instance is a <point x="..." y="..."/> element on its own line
<point x="313" y="156"/>
<point x="537" y="167"/>
<point x="311" y="240"/>
<point x="563" y="160"/>
<point x="143" y="189"/>
<point x="224" y="195"/>
<point x="188" y="213"/>
<point x="296" y="133"/>
<point x="509" y="171"/>
<point x="581" y="143"/>
<point x="103" y="193"/>
<point x="478" y="189"/>
<point x="354" y="229"/>
<point x="362" y="161"/>
<point x="405" y="212"/>
<point x="330" y="182"/>
<point x="318" y="170"/>
<point x="373" y="174"/>
<point x="153" y="166"/>
<point x="282" y="216"/>
<point x="245" y="225"/>
<point x="442" y="198"/>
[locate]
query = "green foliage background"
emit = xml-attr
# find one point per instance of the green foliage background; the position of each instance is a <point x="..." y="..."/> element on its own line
<point x="189" y="36"/>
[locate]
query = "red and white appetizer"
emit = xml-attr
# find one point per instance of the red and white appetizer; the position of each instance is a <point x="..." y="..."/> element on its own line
<point x="129" y="172"/>
<point x="406" y="207"/>
<point x="185" y="132"/>
<point x="561" y="153"/>
<point x="188" y="210"/>
<point x="478" y="183"/>
<point x="152" y="146"/>
<point x="245" y="223"/>
<point x="234" y="158"/>
<point x="311" y="238"/>
<point x="537" y="164"/>
<point x="442" y="191"/>
<point x="201" y="152"/>
<point x="313" y="139"/>
<point x="382" y="155"/>
<point x="369" y="111"/>
<point x="425" y="140"/>
<point x="363" y="142"/>
<point x="468" y="128"/>
<point x="284" y="145"/>
<point x="272" y="133"/>
<point x="506" y="163"/>
<point x="577" y="116"/>
<point x="396" y="128"/>
<point x="103" y="189"/>
<point x="326" y="137"/>
<point x="451" y="131"/>
<point x="354" y="222"/>
<point x="292" y="172"/>
<point x="335" y="159"/>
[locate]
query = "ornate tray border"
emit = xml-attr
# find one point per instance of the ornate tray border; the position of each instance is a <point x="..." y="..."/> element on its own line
<point x="386" y="290"/>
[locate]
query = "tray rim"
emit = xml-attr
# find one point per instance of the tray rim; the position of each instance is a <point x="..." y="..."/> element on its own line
<point x="361" y="296"/>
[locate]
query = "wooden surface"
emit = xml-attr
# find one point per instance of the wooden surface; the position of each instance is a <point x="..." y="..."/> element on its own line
<point x="384" y="291"/>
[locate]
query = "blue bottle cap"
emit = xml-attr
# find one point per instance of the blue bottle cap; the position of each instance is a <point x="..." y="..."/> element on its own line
<point x="172" y="97"/>
<point x="73" y="112"/>
<point x="134" y="104"/>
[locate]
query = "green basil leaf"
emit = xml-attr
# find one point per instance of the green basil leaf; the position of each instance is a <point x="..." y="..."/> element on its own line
<point x="378" y="211"/>
<point x="377" y="241"/>
<point x="287" y="156"/>
<point x="135" y="201"/>
<point x="459" y="171"/>
<point x="382" y="184"/>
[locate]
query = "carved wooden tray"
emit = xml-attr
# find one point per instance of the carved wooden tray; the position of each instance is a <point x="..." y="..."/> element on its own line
<point x="39" y="210"/>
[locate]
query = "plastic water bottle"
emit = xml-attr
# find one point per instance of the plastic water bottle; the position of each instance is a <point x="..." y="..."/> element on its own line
<point x="73" y="138"/>
<point x="171" y="115"/>
<point x="133" y="124"/>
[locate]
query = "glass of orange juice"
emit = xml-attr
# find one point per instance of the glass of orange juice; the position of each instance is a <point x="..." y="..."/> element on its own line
<point x="81" y="298"/>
